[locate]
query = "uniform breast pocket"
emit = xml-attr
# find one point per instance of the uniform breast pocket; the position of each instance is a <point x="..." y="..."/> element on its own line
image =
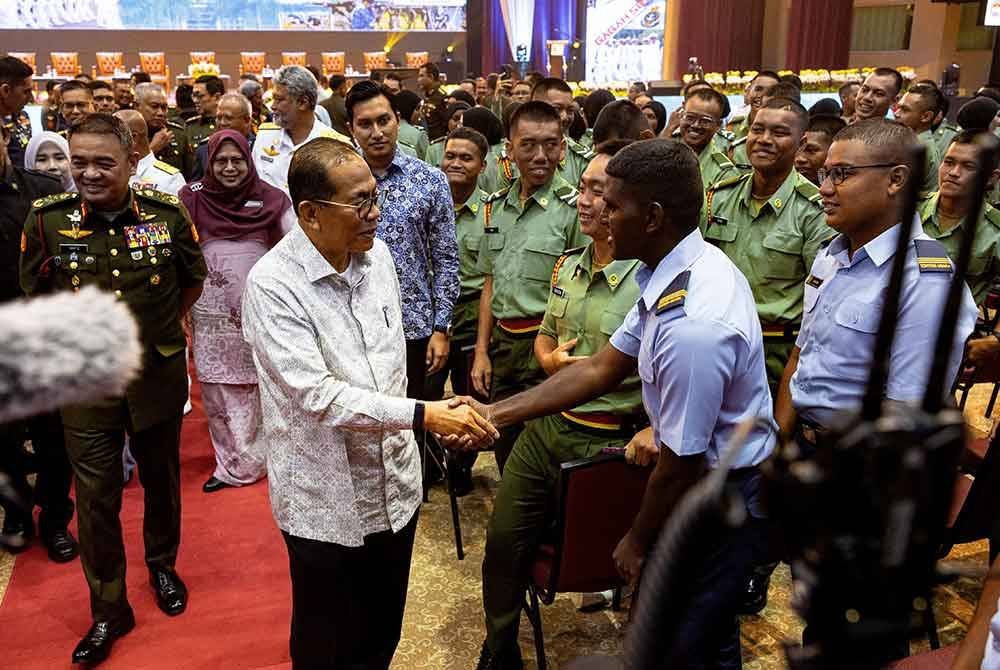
<point x="782" y="256"/>
<point x="539" y="258"/>
<point x="610" y="322"/>
<point x="719" y="232"/>
<point x="859" y="316"/>
<point x="557" y="306"/>
<point x="494" y="241"/>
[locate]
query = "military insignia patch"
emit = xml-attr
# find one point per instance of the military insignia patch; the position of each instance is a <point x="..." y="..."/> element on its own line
<point x="75" y="233"/>
<point x="814" y="281"/>
<point x="675" y="294"/>
<point x="146" y="234"/>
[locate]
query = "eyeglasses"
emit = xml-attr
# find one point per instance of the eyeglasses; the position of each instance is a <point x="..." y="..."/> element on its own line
<point x="838" y="175"/>
<point x="698" y="119"/>
<point x="364" y="207"/>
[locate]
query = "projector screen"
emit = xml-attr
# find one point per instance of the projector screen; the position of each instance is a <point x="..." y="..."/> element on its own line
<point x="315" y="15"/>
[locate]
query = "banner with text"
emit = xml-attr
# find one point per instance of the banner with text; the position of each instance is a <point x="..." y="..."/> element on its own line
<point x="625" y="40"/>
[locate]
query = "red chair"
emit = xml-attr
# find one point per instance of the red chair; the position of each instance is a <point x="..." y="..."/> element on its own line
<point x="598" y="500"/>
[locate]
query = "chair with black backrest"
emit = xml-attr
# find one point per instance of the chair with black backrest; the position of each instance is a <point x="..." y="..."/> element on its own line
<point x="598" y="500"/>
<point x="973" y="516"/>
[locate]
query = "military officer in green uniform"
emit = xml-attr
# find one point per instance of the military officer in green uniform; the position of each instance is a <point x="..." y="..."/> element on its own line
<point x="142" y="246"/>
<point x="698" y="129"/>
<point x="590" y="293"/>
<point x="762" y="82"/>
<point x="432" y="110"/>
<point x="208" y="90"/>
<point x="526" y="228"/>
<point x="917" y="110"/>
<point x="557" y="93"/>
<point x="943" y="215"/>
<point x="738" y="147"/>
<point x="771" y="225"/>
<point x="167" y="139"/>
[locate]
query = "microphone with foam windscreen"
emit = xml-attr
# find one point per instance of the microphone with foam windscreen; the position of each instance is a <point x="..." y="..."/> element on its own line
<point x="64" y="349"/>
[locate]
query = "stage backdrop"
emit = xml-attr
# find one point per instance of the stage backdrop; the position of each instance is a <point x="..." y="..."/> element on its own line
<point x="314" y="15"/>
<point x="625" y="40"/>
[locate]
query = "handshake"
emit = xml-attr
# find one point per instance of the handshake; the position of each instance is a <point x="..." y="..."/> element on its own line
<point x="461" y="423"/>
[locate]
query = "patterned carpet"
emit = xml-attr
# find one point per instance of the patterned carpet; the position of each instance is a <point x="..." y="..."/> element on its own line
<point x="443" y="628"/>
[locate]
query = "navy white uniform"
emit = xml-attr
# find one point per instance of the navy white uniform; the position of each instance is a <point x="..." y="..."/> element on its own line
<point x="698" y="341"/>
<point x="843" y="306"/>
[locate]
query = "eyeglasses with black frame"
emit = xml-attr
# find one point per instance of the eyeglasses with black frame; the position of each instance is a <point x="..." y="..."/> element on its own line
<point x="839" y="174"/>
<point x="364" y="208"/>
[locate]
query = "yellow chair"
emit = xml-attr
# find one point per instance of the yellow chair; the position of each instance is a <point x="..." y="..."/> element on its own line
<point x="414" y="59"/>
<point x="65" y="63"/>
<point x="333" y="62"/>
<point x="202" y="57"/>
<point x="26" y="56"/>
<point x="252" y="62"/>
<point x="293" y="58"/>
<point x="375" y="60"/>
<point x="108" y="62"/>
<point x="154" y="63"/>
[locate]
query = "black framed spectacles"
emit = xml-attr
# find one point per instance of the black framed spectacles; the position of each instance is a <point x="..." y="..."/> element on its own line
<point x="838" y="175"/>
<point x="364" y="207"/>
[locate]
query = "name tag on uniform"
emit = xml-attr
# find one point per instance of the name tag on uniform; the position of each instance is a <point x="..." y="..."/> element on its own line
<point x="814" y="281"/>
<point x="558" y="291"/>
<point x="491" y="230"/>
<point x="266" y="159"/>
<point x="73" y="248"/>
<point x="146" y="234"/>
<point x="718" y="221"/>
<point x="254" y="204"/>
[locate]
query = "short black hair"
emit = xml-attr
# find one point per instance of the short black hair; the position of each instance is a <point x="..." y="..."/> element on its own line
<point x="611" y="147"/>
<point x="337" y="80"/>
<point x="364" y="91"/>
<point x="641" y="85"/>
<point x="661" y="115"/>
<point x="977" y="113"/>
<point x="454" y="108"/>
<point x="547" y="84"/>
<point x="103" y="124"/>
<point x="969" y="137"/>
<point x="468" y="80"/>
<point x="485" y="122"/>
<point x="792" y="79"/>
<point x="577" y="127"/>
<point x="711" y="95"/>
<point x="666" y="172"/>
<point x="97" y="84"/>
<point x="182" y="95"/>
<point x="432" y="70"/>
<point x="932" y="96"/>
<point x="213" y="84"/>
<point x="309" y="170"/>
<point x="140" y="77"/>
<point x="890" y="72"/>
<point x="508" y="112"/>
<point x="14" y="69"/>
<point x="622" y="119"/>
<point x="891" y="140"/>
<point x="534" y="110"/>
<point x="595" y="102"/>
<point x="828" y="124"/>
<point x="988" y="92"/>
<point x="388" y="75"/>
<point x="793" y="106"/>
<point x="785" y="90"/>
<point x="695" y="84"/>
<point x="826" y="106"/>
<point x="406" y="103"/>
<point x="471" y="135"/>
<point x="74" y="85"/>
<point x="767" y="73"/>
<point x="843" y="89"/>
<point x="51" y="85"/>
<point x="461" y="95"/>
<point x="317" y="75"/>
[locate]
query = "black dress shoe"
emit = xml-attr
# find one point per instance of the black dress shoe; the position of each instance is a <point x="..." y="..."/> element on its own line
<point x="96" y="644"/>
<point x="62" y="546"/>
<point x="17" y="535"/>
<point x="491" y="661"/>
<point x="755" y="597"/>
<point x="213" y="485"/>
<point x="171" y="594"/>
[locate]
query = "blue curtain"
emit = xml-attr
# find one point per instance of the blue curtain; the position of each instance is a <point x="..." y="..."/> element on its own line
<point x="554" y="20"/>
<point x="495" y="51"/>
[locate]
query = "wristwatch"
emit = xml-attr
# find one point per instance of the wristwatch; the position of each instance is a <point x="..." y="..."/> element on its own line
<point x="443" y="329"/>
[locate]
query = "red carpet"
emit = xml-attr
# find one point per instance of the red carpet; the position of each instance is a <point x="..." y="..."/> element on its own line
<point x="232" y="559"/>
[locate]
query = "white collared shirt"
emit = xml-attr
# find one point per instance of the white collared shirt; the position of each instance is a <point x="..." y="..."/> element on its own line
<point x="157" y="175"/>
<point x="330" y="355"/>
<point x="273" y="150"/>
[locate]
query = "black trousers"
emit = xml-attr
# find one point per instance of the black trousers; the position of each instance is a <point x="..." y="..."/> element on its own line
<point x="416" y="367"/>
<point x="96" y="455"/>
<point x="347" y="602"/>
<point x="51" y="492"/>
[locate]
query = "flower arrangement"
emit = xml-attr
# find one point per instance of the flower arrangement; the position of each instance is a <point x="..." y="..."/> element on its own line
<point x="196" y="70"/>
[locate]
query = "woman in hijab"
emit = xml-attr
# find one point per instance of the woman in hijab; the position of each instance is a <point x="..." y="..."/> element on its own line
<point x="656" y="116"/>
<point x="238" y="218"/>
<point x="48" y="152"/>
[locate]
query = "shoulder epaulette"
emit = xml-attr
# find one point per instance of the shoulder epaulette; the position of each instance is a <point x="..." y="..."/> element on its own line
<point x="559" y="263"/>
<point x="158" y="197"/>
<point x="742" y="140"/>
<point x="726" y="134"/>
<point x="991" y="214"/>
<point x="808" y="190"/>
<point x="439" y="140"/>
<point x="204" y="140"/>
<point x="675" y="294"/>
<point x="49" y="200"/>
<point x="580" y="150"/>
<point x="175" y="125"/>
<point x="166" y="167"/>
<point x="567" y="194"/>
<point x="270" y="125"/>
<point x="932" y="256"/>
<point x="722" y="159"/>
<point x="496" y="195"/>
<point x="728" y="181"/>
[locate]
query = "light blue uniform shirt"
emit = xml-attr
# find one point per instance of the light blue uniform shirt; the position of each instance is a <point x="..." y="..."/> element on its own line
<point x="843" y="307"/>
<point x="702" y="361"/>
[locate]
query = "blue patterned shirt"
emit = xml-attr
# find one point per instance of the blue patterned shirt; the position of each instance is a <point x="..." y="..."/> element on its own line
<point x="418" y="226"/>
